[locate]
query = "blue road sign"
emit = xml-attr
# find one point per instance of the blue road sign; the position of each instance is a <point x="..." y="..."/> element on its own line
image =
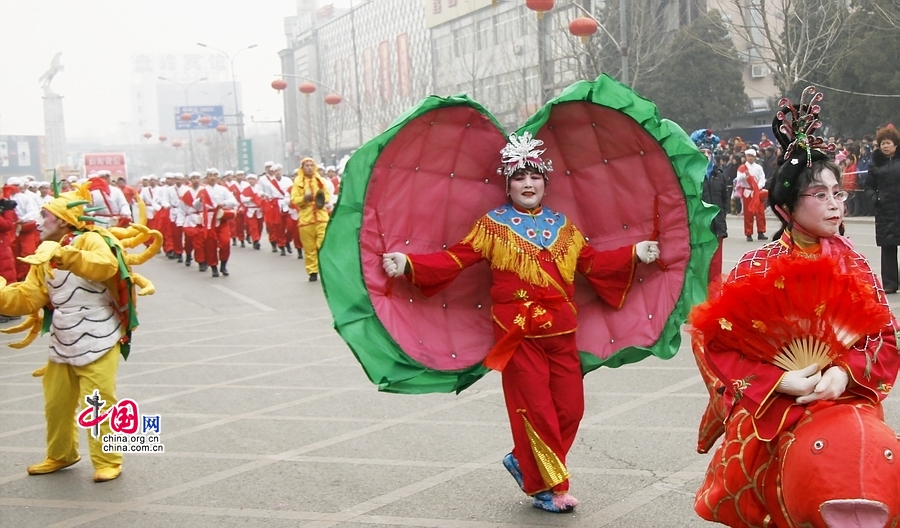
<point x="215" y="113"/>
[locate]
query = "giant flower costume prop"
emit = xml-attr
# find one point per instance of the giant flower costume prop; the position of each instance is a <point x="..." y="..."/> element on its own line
<point x="620" y="173"/>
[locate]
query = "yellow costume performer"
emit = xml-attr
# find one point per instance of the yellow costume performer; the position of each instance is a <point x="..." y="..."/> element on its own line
<point x="81" y="279"/>
<point x="310" y="195"/>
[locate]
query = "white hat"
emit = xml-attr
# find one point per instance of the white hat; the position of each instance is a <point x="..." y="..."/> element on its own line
<point x="14" y="181"/>
<point x="44" y="184"/>
<point x="239" y="172"/>
<point x="212" y="170"/>
<point x="104" y="172"/>
<point x="72" y="179"/>
<point x="145" y="177"/>
<point x="276" y="166"/>
<point x="195" y="173"/>
<point x="163" y="179"/>
<point x="154" y="177"/>
<point x="251" y="175"/>
<point x="269" y="164"/>
<point x="167" y="174"/>
<point x="749" y="152"/>
<point x="178" y="175"/>
<point x="93" y="174"/>
<point x="229" y="173"/>
<point x="330" y="168"/>
<point x="33" y="184"/>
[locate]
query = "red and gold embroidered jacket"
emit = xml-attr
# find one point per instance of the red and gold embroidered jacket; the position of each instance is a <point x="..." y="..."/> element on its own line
<point x="534" y="256"/>
<point x="871" y="364"/>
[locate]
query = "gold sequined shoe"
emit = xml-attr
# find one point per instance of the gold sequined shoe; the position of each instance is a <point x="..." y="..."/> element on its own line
<point x="107" y="473"/>
<point x="50" y="466"/>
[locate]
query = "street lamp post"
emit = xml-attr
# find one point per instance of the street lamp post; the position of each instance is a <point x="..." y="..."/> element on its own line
<point x="186" y="88"/>
<point x="237" y="110"/>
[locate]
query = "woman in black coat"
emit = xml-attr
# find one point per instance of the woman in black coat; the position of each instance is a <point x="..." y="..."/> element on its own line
<point x="716" y="192"/>
<point x="883" y="188"/>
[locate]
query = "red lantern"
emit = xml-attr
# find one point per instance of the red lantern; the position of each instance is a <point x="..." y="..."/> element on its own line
<point x="186" y="116"/>
<point x="147" y="135"/>
<point x="163" y="138"/>
<point x="279" y="84"/>
<point x="333" y="99"/>
<point x="176" y="143"/>
<point x="307" y="88"/>
<point x="222" y="128"/>
<point x="583" y="27"/>
<point x="540" y="6"/>
<point x="205" y="120"/>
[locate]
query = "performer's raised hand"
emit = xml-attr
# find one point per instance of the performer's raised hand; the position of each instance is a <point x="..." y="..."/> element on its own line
<point x="800" y="382"/>
<point x="394" y="264"/>
<point x="647" y="251"/>
<point x="833" y="383"/>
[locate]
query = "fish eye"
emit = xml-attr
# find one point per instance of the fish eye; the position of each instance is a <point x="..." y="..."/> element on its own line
<point x="888" y="455"/>
<point x="819" y="445"/>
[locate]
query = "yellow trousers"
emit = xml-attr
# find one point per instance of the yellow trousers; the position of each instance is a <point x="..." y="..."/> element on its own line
<point x="65" y="387"/>
<point x="311" y="236"/>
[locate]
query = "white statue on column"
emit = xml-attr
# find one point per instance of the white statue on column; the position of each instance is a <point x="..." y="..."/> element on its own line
<point x="47" y="77"/>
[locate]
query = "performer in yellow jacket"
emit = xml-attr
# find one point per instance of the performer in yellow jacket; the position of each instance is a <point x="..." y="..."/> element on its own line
<point x="80" y="277"/>
<point x="310" y="195"/>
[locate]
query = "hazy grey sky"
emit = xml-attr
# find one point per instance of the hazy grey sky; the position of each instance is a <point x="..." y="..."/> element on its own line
<point x="98" y="38"/>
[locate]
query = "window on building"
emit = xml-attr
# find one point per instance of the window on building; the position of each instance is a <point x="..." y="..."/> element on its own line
<point x="464" y="37"/>
<point x="443" y="50"/>
<point x="759" y="103"/>
<point x="486" y="36"/>
<point x="508" y="26"/>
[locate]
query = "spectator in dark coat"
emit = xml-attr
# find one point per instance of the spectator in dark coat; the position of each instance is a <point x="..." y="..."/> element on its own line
<point x="716" y="192"/>
<point x="883" y="188"/>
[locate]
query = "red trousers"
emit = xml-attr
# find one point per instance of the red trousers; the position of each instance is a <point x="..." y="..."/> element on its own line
<point x="177" y="238"/>
<point x="254" y="227"/>
<point x="195" y="240"/>
<point x="165" y="227"/>
<point x="218" y="243"/>
<point x="239" y="227"/>
<point x="294" y="231"/>
<point x="274" y="222"/>
<point x="760" y="217"/>
<point x="542" y="384"/>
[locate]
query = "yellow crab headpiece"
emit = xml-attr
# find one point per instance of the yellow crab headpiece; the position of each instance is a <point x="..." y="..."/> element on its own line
<point x="70" y="206"/>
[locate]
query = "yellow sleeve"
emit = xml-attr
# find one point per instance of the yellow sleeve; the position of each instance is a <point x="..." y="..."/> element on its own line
<point x="326" y="191"/>
<point x="89" y="257"/>
<point x="297" y="192"/>
<point x="26" y="297"/>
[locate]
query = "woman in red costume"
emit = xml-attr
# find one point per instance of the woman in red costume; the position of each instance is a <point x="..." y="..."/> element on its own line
<point x="534" y="253"/>
<point x="762" y="403"/>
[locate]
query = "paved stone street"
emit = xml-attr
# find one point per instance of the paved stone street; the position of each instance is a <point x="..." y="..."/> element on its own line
<point x="268" y="420"/>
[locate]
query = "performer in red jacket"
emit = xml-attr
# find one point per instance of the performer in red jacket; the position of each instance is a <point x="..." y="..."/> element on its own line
<point x="534" y="253"/>
<point x="762" y="402"/>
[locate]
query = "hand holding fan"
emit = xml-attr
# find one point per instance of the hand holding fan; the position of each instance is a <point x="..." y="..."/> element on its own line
<point x="799" y="312"/>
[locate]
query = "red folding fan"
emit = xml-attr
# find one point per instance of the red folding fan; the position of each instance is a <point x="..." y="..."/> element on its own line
<point x="798" y="312"/>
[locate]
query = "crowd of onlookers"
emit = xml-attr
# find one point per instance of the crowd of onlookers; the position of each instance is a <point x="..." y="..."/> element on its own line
<point x="852" y="155"/>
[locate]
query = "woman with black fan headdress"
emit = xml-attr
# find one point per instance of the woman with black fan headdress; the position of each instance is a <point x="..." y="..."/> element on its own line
<point x="883" y="188"/>
<point x="755" y="402"/>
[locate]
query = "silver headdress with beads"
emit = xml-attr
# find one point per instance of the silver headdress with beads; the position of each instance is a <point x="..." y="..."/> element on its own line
<point x="522" y="152"/>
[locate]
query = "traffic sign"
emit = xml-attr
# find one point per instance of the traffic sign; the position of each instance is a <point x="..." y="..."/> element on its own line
<point x="216" y="115"/>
